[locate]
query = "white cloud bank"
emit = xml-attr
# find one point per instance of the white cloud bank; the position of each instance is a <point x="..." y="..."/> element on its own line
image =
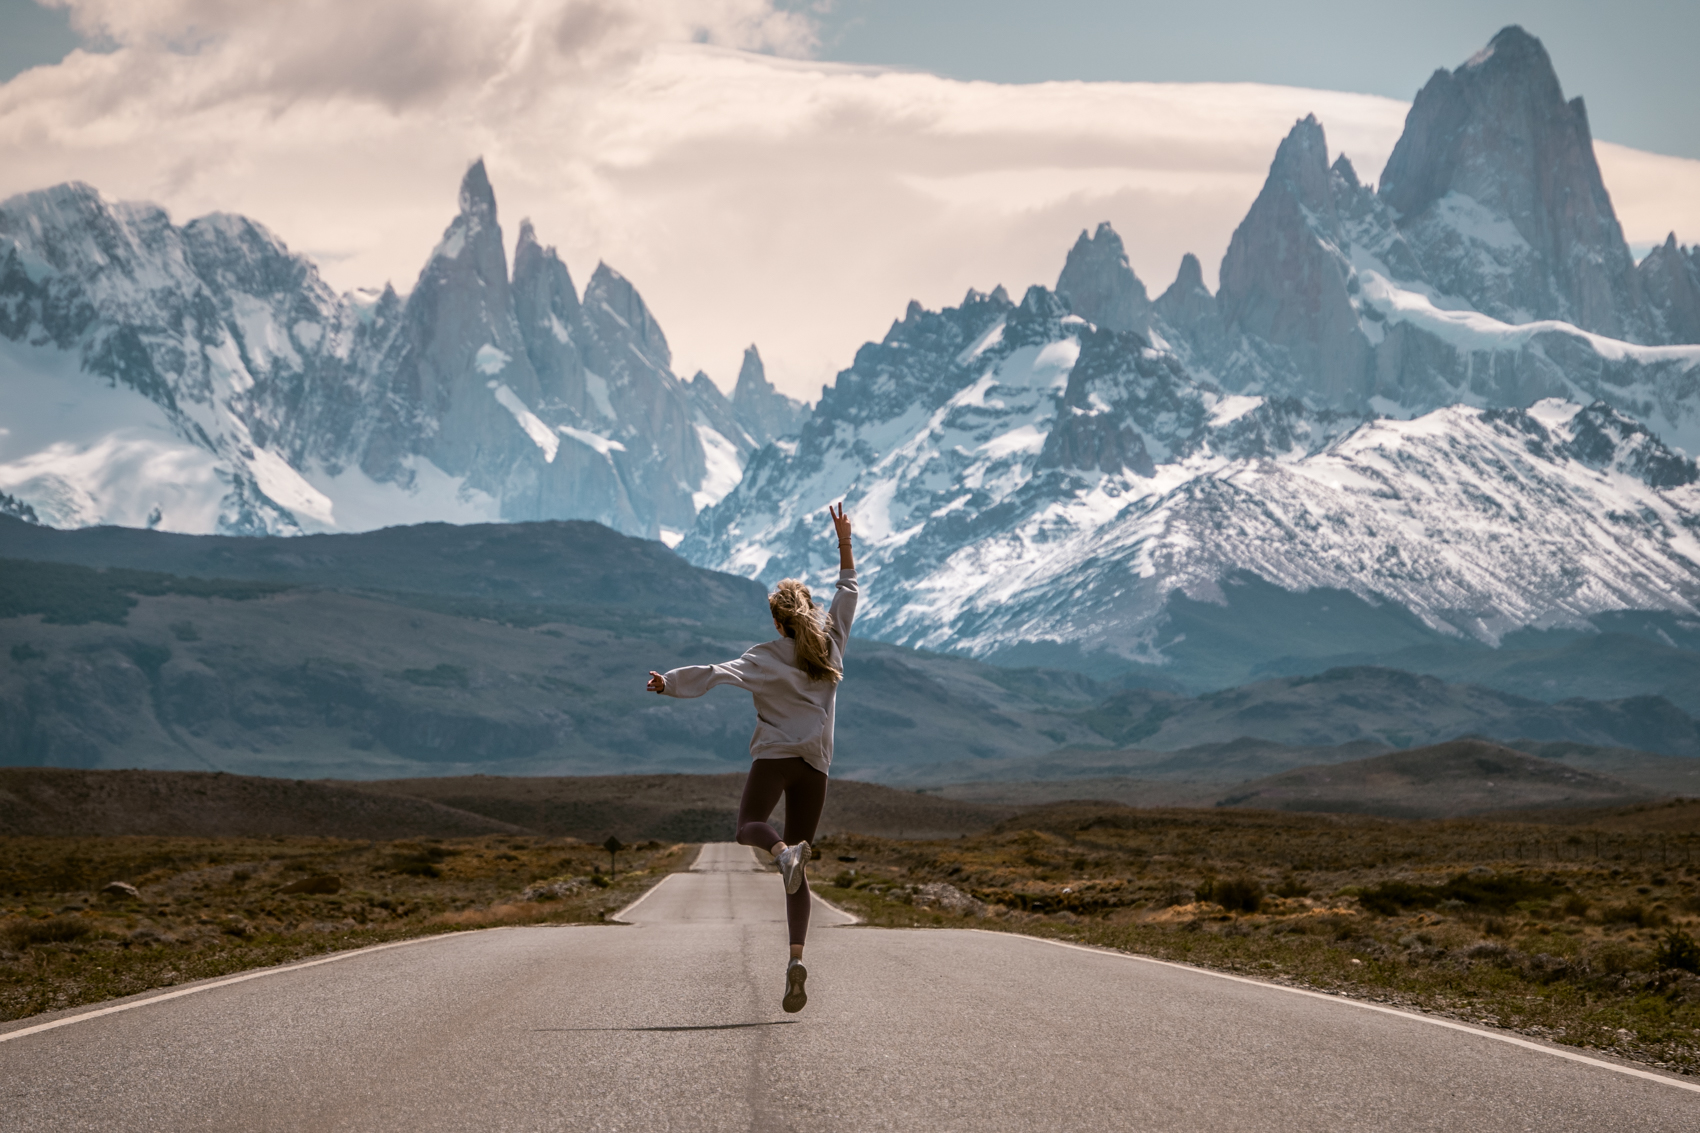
<point x="751" y="194"/>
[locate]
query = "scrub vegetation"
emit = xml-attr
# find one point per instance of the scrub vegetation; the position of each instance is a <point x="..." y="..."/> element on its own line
<point x="205" y="907"/>
<point x="1578" y="934"/>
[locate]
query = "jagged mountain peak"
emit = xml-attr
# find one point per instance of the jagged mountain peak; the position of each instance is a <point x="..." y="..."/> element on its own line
<point x="1514" y="50"/>
<point x="1670" y="280"/>
<point x="245" y="255"/>
<point x="612" y="292"/>
<point x="1287" y="281"/>
<point x="477" y="197"/>
<point x="1346" y="172"/>
<point x="1495" y="184"/>
<point x="531" y="257"/>
<point x="752" y="371"/>
<point x="1190" y="277"/>
<point x="1042" y="302"/>
<point x="765" y="413"/>
<point x="1101" y="285"/>
<point x="1187" y="303"/>
<point x="1300" y="167"/>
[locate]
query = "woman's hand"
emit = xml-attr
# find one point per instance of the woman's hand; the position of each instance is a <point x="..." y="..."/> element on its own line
<point x="841" y="524"/>
<point x="657" y="683"/>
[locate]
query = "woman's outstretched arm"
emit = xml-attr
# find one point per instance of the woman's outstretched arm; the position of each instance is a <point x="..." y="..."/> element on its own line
<point x="688" y="681"/>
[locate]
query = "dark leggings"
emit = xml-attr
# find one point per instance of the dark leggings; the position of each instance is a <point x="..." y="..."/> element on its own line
<point x="804" y="789"/>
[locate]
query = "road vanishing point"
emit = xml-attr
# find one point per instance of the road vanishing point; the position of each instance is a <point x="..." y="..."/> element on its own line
<point x="672" y="1022"/>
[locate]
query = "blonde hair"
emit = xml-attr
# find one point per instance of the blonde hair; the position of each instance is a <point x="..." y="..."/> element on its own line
<point x="793" y="607"/>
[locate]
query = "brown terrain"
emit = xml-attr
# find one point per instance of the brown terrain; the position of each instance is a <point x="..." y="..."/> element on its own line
<point x="1461" y="777"/>
<point x="43" y="801"/>
<point x="1443" y="781"/>
<point x="1563" y="784"/>
<point x="685" y="808"/>
<point x="52" y="801"/>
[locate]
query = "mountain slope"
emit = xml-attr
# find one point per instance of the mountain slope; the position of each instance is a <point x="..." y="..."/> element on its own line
<point x="571" y="563"/>
<point x="436" y="650"/>
<point x="1385" y="706"/>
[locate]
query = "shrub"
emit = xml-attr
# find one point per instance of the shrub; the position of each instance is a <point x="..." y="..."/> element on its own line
<point x="419" y="863"/>
<point x="1613" y="959"/>
<point x="1678" y="950"/>
<point x="324" y="883"/>
<point x="1173" y="896"/>
<point x="1495" y="892"/>
<point x="53" y="930"/>
<point x="1291" y="887"/>
<point x="1633" y="913"/>
<point x="1576" y="905"/>
<point x="1239" y="894"/>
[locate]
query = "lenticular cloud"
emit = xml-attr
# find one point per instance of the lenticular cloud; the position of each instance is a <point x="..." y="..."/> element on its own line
<point x="754" y="194"/>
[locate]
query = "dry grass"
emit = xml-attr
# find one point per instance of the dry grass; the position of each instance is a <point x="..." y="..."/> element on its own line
<point x="1579" y="935"/>
<point x="212" y="906"/>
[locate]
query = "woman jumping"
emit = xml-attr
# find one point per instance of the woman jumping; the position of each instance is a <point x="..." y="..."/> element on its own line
<point x="794" y="680"/>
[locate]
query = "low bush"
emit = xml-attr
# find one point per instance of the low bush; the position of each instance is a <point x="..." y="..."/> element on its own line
<point x="1237" y="895"/>
<point x="1633" y="913"/>
<point x="1678" y="950"/>
<point x="1488" y="892"/>
<point x="53" y="930"/>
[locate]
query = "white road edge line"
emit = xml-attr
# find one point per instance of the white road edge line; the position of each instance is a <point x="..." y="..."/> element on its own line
<point x="226" y="982"/>
<point x="854" y="919"/>
<point x="644" y="896"/>
<point x="1556" y="1052"/>
<point x="254" y="975"/>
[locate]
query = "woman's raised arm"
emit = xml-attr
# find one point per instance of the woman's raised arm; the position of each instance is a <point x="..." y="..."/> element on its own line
<point x="841" y="524"/>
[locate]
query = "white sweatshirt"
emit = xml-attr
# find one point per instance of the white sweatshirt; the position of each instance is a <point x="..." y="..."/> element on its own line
<point x="793" y="713"/>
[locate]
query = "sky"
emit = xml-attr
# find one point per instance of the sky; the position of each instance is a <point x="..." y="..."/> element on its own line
<point x="1633" y="59"/>
<point x="779" y="171"/>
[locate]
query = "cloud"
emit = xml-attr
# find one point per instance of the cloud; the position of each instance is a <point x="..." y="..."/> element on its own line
<point x="752" y="194"/>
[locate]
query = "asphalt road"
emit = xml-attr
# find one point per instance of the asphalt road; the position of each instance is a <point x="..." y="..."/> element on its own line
<point x="674" y="1023"/>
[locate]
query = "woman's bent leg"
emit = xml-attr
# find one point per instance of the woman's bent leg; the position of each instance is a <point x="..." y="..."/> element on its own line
<point x="805" y="797"/>
<point x="761" y="794"/>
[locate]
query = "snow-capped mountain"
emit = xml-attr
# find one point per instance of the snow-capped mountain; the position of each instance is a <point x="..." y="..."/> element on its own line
<point x="1019" y="475"/>
<point x="1489" y="269"/>
<point x="1383" y="399"/>
<point x="204" y="379"/>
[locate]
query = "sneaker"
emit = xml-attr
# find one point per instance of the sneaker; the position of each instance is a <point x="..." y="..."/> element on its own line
<point x="792" y="860"/>
<point x="795" y="996"/>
